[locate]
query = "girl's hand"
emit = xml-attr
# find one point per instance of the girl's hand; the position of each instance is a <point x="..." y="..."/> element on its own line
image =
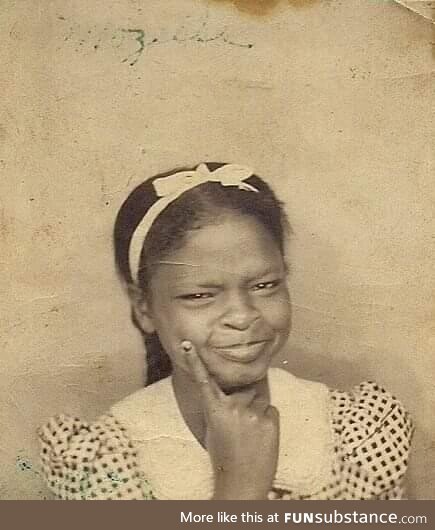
<point x="242" y="436"/>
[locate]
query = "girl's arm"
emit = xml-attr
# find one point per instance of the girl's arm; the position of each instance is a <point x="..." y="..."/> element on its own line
<point x="375" y="434"/>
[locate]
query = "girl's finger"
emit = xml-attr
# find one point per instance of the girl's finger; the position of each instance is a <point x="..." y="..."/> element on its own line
<point x="209" y="388"/>
<point x="243" y="398"/>
<point x="272" y="413"/>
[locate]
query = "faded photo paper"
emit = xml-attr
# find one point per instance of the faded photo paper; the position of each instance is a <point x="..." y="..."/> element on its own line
<point x="174" y="338"/>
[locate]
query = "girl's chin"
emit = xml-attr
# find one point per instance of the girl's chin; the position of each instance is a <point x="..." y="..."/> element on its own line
<point x="233" y="389"/>
<point x="232" y="384"/>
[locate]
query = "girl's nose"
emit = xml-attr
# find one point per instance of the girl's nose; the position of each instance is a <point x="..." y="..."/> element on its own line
<point x="239" y="313"/>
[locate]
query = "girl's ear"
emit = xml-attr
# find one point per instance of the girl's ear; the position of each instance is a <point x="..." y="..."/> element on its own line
<point x="140" y="308"/>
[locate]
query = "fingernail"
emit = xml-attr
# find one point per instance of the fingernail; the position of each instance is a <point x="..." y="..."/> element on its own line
<point x="186" y="345"/>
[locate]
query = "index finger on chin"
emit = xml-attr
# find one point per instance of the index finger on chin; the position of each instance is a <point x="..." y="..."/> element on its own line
<point x="206" y="383"/>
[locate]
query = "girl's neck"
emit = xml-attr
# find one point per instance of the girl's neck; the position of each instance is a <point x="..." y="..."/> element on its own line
<point x="188" y="397"/>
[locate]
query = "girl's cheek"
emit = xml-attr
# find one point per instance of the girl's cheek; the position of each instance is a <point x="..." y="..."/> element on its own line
<point x="285" y="312"/>
<point x="191" y="327"/>
<point x="277" y="313"/>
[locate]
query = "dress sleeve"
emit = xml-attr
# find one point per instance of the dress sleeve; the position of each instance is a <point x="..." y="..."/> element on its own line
<point x="86" y="461"/>
<point x="375" y="433"/>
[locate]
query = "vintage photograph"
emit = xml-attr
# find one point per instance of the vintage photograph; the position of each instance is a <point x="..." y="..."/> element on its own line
<point x="217" y="243"/>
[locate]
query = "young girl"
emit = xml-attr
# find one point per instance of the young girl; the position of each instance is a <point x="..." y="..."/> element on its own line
<point x="202" y="255"/>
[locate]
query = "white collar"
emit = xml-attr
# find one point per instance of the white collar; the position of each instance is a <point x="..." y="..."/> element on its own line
<point x="178" y="467"/>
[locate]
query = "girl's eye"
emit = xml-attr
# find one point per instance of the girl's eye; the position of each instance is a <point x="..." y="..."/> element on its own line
<point x="196" y="296"/>
<point x="266" y="286"/>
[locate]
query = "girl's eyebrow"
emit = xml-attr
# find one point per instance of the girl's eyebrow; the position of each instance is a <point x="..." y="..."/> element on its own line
<point x="270" y="270"/>
<point x="208" y="285"/>
<point x="199" y="283"/>
<point x="265" y="272"/>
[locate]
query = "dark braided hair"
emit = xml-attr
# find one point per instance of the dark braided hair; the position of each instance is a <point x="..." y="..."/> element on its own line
<point x="197" y="207"/>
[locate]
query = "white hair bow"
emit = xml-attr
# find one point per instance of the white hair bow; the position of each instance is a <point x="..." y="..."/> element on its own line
<point x="171" y="187"/>
<point x="229" y="175"/>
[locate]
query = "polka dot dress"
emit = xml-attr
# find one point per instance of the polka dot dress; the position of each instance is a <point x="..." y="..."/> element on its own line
<point x="84" y="461"/>
<point x="372" y="434"/>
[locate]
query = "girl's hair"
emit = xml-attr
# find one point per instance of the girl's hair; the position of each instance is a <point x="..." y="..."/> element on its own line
<point x="200" y="206"/>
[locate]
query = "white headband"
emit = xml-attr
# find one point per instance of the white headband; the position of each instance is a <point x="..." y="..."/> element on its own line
<point x="171" y="187"/>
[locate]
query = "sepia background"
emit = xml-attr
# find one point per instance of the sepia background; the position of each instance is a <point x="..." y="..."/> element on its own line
<point x="331" y="101"/>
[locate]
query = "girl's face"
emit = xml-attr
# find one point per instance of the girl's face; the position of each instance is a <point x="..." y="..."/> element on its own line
<point x="225" y="291"/>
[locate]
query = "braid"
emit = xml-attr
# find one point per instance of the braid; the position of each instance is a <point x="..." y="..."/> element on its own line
<point x="159" y="364"/>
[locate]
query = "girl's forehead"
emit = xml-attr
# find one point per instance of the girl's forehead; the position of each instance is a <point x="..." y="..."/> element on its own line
<point x="229" y="236"/>
<point x="238" y="246"/>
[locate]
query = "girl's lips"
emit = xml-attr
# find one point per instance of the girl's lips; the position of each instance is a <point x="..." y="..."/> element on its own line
<point x="242" y="353"/>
